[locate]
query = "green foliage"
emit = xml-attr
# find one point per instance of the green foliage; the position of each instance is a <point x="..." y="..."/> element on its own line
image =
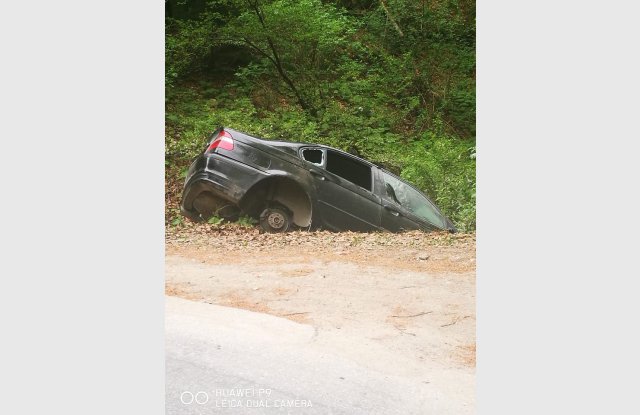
<point x="215" y="220"/>
<point x="336" y="73"/>
<point x="246" y="221"/>
<point x="174" y="217"/>
<point x="294" y="42"/>
<point x="186" y="42"/>
<point x="445" y="169"/>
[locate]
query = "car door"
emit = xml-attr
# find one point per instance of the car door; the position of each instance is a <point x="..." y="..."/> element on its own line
<point x="344" y="187"/>
<point x="404" y="208"/>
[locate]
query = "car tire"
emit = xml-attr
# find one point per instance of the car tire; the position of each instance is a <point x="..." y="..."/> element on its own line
<point x="275" y="219"/>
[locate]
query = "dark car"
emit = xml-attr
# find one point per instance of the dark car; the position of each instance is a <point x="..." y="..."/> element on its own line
<point x="286" y="185"/>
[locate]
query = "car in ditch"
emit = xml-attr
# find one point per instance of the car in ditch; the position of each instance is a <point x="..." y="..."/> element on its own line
<point x="287" y="185"/>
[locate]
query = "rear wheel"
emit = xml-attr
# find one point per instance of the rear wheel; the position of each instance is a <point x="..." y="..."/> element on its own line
<point x="275" y="219"/>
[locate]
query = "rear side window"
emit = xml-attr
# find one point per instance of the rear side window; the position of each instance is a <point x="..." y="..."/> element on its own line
<point x="349" y="169"/>
<point x="313" y="155"/>
<point x="412" y="200"/>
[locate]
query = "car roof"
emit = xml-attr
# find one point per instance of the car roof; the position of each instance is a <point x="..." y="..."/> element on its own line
<point x="298" y="145"/>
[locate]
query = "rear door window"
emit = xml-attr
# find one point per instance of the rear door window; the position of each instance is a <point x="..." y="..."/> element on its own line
<point x="412" y="200"/>
<point x="313" y="155"/>
<point x="349" y="169"/>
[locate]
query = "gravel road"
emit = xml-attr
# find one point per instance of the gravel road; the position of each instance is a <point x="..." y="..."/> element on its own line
<point x="393" y="305"/>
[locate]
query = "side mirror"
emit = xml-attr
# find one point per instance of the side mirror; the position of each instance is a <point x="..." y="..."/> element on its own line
<point x="392" y="193"/>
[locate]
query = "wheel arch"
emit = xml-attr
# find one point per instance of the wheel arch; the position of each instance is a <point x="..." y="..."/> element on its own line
<point x="284" y="190"/>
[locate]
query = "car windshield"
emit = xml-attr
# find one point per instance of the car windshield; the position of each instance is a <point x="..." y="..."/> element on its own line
<point x="412" y="200"/>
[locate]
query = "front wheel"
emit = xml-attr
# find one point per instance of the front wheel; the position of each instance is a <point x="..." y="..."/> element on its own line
<point x="275" y="219"/>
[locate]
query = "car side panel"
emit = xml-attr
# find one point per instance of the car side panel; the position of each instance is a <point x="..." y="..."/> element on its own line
<point x="396" y="219"/>
<point x="286" y="163"/>
<point x="344" y="205"/>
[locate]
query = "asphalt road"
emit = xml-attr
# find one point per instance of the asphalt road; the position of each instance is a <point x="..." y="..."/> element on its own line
<point x="223" y="360"/>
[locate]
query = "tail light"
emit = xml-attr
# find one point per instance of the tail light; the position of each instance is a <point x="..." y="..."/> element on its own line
<point x="223" y="140"/>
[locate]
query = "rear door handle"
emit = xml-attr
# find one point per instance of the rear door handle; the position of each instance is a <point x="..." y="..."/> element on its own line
<point x="318" y="175"/>
<point x="392" y="210"/>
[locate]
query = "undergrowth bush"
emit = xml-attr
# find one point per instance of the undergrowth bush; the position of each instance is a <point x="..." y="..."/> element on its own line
<point x="445" y="169"/>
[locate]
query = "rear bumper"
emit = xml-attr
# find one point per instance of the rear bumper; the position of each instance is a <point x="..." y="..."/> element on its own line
<point x="204" y="182"/>
<point x="212" y="174"/>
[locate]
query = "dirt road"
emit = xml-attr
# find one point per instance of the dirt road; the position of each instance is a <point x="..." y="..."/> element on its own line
<point x="400" y="304"/>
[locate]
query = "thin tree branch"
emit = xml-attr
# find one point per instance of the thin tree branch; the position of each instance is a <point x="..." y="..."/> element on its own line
<point x="276" y="58"/>
<point x="416" y="315"/>
<point x="395" y="25"/>
<point x="455" y="320"/>
<point x="260" y="51"/>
